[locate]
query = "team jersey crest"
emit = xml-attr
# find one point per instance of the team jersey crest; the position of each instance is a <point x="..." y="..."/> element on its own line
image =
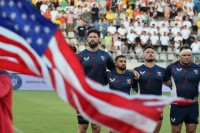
<point x="196" y="71"/>
<point x="102" y="58"/>
<point x="128" y="81"/>
<point x="159" y="73"/>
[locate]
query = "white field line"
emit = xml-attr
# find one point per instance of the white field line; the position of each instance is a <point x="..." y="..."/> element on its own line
<point x="17" y="130"/>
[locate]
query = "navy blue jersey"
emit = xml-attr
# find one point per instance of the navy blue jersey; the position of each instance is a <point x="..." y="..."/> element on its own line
<point x="185" y="79"/>
<point x="151" y="79"/>
<point x="121" y="82"/>
<point x="95" y="64"/>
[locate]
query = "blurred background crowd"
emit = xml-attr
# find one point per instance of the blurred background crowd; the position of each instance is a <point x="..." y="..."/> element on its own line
<point x="127" y="26"/>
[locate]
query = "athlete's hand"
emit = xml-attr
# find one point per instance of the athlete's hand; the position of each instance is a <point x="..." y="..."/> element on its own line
<point x="137" y="75"/>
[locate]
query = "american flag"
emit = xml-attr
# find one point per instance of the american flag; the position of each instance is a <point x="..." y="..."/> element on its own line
<point x="30" y="44"/>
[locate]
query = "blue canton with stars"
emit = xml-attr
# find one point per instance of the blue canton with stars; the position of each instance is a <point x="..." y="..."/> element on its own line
<point x="23" y="19"/>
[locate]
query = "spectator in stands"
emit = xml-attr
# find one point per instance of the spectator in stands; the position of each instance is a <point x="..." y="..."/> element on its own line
<point x="103" y="9"/>
<point x="131" y="40"/>
<point x="143" y="6"/>
<point x="78" y="22"/>
<point x="144" y="39"/>
<point x="104" y="27"/>
<point x="197" y="7"/>
<point x="86" y="16"/>
<point x="122" y="32"/>
<point x="70" y="22"/>
<point x="175" y="30"/>
<point x="95" y="13"/>
<point x="177" y="43"/>
<point x="85" y="8"/>
<point x="159" y="6"/>
<point x="81" y="32"/>
<point x="110" y="16"/>
<point x="96" y="25"/>
<point x="113" y="6"/>
<point x="54" y="13"/>
<point x="64" y="3"/>
<point x="163" y="30"/>
<point x="153" y="29"/>
<point x="126" y="22"/>
<point x="173" y="10"/>
<point x="187" y="22"/>
<point x="109" y="42"/>
<point x="185" y="32"/>
<point x="47" y="14"/>
<point x="112" y="29"/>
<point x="130" y="27"/>
<point x="138" y="32"/>
<point x="62" y="20"/>
<point x="77" y="11"/>
<point x="154" y="40"/>
<point x="43" y="7"/>
<point x="124" y="49"/>
<point x="195" y="47"/>
<point x="118" y="45"/>
<point x="194" y="23"/>
<point x="130" y="12"/>
<point x="138" y="52"/>
<point x="164" y="40"/>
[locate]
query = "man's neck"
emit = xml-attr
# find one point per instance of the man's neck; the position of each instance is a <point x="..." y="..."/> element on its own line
<point x="149" y="64"/>
<point x="120" y="71"/>
<point x="93" y="49"/>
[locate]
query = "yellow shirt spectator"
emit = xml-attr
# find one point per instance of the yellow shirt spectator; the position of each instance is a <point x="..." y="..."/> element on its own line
<point x="198" y="24"/>
<point x="130" y="12"/>
<point x="110" y="15"/>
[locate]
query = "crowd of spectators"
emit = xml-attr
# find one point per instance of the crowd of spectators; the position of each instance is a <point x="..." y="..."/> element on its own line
<point x="128" y="26"/>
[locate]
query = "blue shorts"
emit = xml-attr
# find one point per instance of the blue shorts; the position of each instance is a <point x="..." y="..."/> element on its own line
<point x="188" y="114"/>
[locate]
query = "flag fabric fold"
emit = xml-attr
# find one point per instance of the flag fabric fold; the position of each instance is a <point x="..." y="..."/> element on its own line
<point x="30" y="44"/>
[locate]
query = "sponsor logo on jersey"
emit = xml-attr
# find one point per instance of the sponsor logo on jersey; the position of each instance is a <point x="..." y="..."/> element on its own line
<point x="142" y="73"/>
<point x="128" y="81"/>
<point x="112" y="80"/>
<point x="86" y="58"/>
<point x="179" y="69"/>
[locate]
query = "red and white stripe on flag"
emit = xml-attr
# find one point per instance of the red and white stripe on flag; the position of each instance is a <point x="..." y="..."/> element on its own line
<point x="60" y="67"/>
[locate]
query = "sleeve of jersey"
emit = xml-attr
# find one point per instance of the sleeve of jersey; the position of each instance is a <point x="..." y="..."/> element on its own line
<point x="110" y="63"/>
<point x="167" y="74"/>
<point x="5" y="84"/>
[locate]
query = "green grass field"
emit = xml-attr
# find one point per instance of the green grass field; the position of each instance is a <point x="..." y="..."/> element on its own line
<point x="45" y="112"/>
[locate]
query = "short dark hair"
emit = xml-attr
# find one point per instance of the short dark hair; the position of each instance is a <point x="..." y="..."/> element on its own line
<point x="93" y="30"/>
<point x="119" y="56"/>
<point x="149" y="46"/>
<point x="185" y="47"/>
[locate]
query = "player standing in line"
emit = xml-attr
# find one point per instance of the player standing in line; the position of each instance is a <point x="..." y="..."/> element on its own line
<point x="183" y="78"/>
<point x="120" y="79"/>
<point x="151" y="77"/>
<point x="95" y="63"/>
